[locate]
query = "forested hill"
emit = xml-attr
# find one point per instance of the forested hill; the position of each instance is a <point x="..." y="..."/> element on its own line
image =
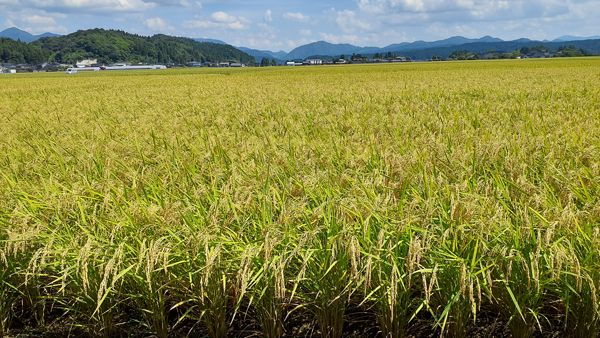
<point x="20" y="52"/>
<point x="109" y="46"/>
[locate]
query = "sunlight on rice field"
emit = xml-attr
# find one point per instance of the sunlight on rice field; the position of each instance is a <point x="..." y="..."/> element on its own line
<point x="423" y="193"/>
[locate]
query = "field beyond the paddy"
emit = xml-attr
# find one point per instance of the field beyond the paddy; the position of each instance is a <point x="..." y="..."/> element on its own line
<point x="454" y="199"/>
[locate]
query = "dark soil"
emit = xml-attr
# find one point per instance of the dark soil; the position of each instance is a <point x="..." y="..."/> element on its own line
<point x="359" y="323"/>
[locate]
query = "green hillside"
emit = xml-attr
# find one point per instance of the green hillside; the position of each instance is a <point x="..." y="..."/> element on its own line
<point x="110" y="46"/>
<point x="20" y="52"/>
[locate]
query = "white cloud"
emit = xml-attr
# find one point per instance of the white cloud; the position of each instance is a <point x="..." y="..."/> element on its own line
<point x="199" y="4"/>
<point x="43" y="29"/>
<point x="41" y="20"/>
<point x="218" y="20"/>
<point x="262" y="43"/>
<point x="464" y="11"/>
<point x="349" y="22"/>
<point x="331" y="38"/>
<point x="237" y="25"/>
<point x="291" y="44"/>
<point x="93" y="6"/>
<point x="266" y="27"/>
<point x="223" y="17"/>
<point x="169" y="3"/>
<point x="34" y="21"/>
<point x="268" y="16"/>
<point x="157" y="24"/>
<point x="442" y="30"/>
<point x="296" y="17"/>
<point x="305" y="32"/>
<point x="423" y="6"/>
<point x="199" y="24"/>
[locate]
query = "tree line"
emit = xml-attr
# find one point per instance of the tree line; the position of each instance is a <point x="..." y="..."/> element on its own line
<point x="564" y="51"/>
<point x="20" y="52"/>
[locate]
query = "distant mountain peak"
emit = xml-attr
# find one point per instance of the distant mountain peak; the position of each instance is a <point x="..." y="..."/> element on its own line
<point x="575" y="38"/>
<point x="18" y="34"/>
<point x="210" y="40"/>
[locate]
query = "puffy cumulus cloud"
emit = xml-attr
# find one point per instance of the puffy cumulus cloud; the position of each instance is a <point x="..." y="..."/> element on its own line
<point x="427" y="6"/>
<point x="296" y="17"/>
<point x="82" y="6"/>
<point x="268" y="17"/>
<point x="218" y="20"/>
<point x="158" y="25"/>
<point x="223" y="17"/>
<point x="35" y="21"/>
<point x="348" y="22"/>
<point x="465" y="10"/>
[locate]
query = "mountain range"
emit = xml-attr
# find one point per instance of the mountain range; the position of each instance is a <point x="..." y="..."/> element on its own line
<point x="419" y="49"/>
<point x="416" y="50"/>
<point x="575" y="38"/>
<point x="17" y="34"/>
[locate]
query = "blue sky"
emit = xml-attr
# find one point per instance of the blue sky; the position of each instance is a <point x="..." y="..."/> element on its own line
<point x="284" y="25"/>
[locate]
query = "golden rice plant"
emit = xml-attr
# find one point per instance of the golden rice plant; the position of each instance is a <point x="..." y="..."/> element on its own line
<point x="422" y="192"/>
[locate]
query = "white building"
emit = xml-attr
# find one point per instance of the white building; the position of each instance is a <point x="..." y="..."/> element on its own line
<point x="290" y="63"/>
<point x="86" y="63"/>
<point x="314" y="61"/>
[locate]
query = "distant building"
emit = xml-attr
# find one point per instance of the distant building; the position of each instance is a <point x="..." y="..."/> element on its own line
<point x="491" y="55"/>
<point x="290" y="63"/>
<point x="538" y="54"/>
<point x="400" y="59"/>
<point x="86" y="63"/>
<point x="359" y="59"/>
<point x="313" y="62"/>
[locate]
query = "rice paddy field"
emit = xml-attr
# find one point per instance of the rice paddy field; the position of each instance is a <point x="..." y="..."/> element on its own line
<point x="454" y="199"/>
